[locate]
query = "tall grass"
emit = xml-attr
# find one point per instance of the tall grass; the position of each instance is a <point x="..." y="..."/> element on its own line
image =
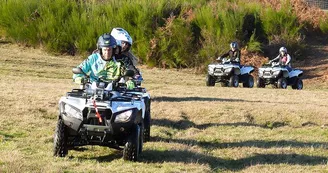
<point x="324" y="25"/>
<point x="18" y="21"/>
<point x="166" y="33"/>
<point x="283" y="29"/>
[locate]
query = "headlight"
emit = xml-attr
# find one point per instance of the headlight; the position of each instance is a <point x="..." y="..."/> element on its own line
<point x="123" y="117"/>
<point x="210" y="69"/>
<point x="72" y="112"/>
<point x="261" y="70"/>
<point x="276" y="73"/>
<point x="227" y="70"/>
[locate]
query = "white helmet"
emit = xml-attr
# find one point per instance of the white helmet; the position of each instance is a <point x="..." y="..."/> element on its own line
<point x="121" y="34"/>
<point x="283" y="49"/>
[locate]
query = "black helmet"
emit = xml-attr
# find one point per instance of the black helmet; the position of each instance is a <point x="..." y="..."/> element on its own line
<point x="106" y="40"/>
<point x="234" y="45"/>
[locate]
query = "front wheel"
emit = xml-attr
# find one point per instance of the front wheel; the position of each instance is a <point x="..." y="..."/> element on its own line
<point x="60" y="139"/>
<point x="132" y="146"/>
<point x="282" y="83"/>
<point x="210" y="80"/>
<point x="146" y="133"/>
<point x="260" y="83"/>
<point x="298" y="84"/>
<point x="233" y="81"/>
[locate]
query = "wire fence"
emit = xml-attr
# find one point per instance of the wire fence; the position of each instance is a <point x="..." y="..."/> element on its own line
<point x="323" y="4"/>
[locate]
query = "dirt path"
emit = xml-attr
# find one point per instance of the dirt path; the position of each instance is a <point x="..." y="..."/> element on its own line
<point x="315" y="65"/>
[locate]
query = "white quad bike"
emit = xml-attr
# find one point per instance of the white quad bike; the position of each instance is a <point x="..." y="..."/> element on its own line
<point x="229" y="74"/>
<point x="101" y="114"/>
<point x="279" y="76"/>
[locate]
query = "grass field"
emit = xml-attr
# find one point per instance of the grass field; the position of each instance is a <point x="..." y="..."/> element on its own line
<point x="194" y="128"/>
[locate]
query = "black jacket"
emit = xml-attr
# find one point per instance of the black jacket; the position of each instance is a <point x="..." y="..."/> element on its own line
<point x="128" y="63"/>
<point x="234" y="56"/>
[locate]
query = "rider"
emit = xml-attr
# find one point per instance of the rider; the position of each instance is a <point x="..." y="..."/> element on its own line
<point x="233" y="54"/>
<point x="124" y="55"/>
<point x="102" y="64"/>
<point x="284" y="58"/>
<point x="124" y="41"/>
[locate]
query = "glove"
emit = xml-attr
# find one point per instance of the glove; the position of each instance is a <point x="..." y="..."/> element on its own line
<point x="130" y="85"/>
<point x="79" y="80"/>
<point x="138" y="77"/>
<point x="219" y="58"/>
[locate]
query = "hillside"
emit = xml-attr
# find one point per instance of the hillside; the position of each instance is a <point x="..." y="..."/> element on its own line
<point x="194" y="128"/>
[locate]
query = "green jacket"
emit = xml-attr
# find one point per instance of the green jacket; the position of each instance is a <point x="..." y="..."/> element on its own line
<point x="97" y="69"/>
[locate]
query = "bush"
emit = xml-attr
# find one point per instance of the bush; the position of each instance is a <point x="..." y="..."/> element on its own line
<point x="166" y="33"/>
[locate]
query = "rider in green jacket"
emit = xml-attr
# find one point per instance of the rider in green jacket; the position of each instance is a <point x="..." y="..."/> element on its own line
<point x="101" y="65"/>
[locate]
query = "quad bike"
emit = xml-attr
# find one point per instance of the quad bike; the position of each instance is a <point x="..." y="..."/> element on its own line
<point x="100" y="113"/>
<point x="279" y="76"/>
<point x="229" y="74"/>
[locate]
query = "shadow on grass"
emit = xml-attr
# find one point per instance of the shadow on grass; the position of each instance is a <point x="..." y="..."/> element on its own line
<point x="183" y="156"/>
<point x="250" y="143"/>
<point x="213" y="99"/>
<point x="186" y="123"/>
<point x="186" y="99"/>
<point x="104" y="158"/>
<point x="12" y="136"/>
<point x="4" y="41"/>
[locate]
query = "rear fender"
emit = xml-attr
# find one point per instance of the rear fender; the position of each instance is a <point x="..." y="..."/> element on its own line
<point x="295" y="73"/>
<point x="246" y="70"/>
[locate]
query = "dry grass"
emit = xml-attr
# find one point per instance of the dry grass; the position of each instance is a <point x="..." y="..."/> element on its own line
<point x="194" y="128"/>
<point x="306" y="13"/>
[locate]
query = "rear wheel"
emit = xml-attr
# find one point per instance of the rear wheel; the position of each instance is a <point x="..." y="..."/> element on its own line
<point x="233" y="81"/>
<point x="60" y="139"/>
<point x="260" y="83"/>
<point x="132" y="146"/>
<point x="298" y="84"/>
<point x="249" y="83"/>
<point x="282" y="83"/>
<point x="210" y="80"/>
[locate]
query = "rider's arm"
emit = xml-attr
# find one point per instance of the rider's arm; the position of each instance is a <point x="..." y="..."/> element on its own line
<point x="237" y="57"/>
<point x="85" y="67"/>
<point x="225" y="54"/>
<point x="133" y="59"/>
<point x="275" y="59"/>
<point x="131" y="62"/>
<point x="288" y="60"/>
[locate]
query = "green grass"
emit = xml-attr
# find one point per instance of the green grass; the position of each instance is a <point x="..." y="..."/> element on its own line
<point x="194" y="128"/>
